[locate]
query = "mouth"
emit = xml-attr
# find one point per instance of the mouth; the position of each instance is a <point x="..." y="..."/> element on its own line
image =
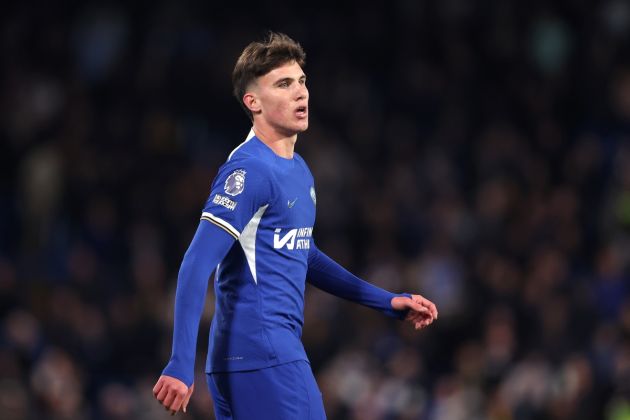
<point x="301" y="112"/>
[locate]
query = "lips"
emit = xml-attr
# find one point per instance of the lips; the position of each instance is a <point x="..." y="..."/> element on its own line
<point x="301" y="111"/>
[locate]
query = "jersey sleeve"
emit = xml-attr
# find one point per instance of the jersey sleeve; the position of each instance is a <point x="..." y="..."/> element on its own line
<point x="327" y="275"/>
<point x="208" y="247"/>
<point x="239" y="190"/>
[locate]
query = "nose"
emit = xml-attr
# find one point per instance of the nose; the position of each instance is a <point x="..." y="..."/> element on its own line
<point x="302" y="92"/>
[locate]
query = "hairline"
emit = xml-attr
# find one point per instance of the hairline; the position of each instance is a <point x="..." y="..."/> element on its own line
<point x="254" y="81"/>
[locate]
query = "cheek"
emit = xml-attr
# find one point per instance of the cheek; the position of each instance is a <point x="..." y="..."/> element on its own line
<point x="282" y="105"/>
<point x="276" y="107"/>
<point x="279" y="108"/>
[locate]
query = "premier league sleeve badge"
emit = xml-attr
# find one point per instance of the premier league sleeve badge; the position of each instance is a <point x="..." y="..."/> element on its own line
<point x="235" y="182"/>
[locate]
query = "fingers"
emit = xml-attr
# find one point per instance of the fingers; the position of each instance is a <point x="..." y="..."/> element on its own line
<point x="172" y="393"/>
<point x="421" y="311"/>
<point x="418" y="315"/>
<point x="173" y="400"/>
<point x="401" y="303"/>
<point x="177" y="403"/>
<point x="158" y="387"/>
<point x="419" y="324"/>
<point x="412" y="304"/>
<point x="420" y="319"/>
<point x="170" y="399"/>
<point x="427" y="304"/>
<point x="422" y="324"/>
<point x="162" y="394"/>
<point x="423" y="319"/>
<point x="187" y="399"/>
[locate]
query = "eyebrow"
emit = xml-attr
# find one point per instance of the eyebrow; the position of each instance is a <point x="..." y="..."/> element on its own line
<point x="289" y="79"/>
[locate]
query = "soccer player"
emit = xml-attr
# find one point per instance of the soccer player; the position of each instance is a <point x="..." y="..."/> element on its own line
<point x="256" y="230"/>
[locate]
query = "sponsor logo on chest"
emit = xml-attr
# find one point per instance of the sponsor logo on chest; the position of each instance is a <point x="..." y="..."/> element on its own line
<point x="298" y="238"/>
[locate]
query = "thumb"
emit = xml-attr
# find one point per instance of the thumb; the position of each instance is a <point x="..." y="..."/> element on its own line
<point x="402" y="302"/>
<point x="187" y="398"/>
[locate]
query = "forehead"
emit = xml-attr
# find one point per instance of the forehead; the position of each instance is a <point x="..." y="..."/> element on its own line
<point x="290" y="69"/>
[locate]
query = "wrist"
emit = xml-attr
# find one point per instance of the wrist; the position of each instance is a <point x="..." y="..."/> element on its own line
<point x="173" y="372"/>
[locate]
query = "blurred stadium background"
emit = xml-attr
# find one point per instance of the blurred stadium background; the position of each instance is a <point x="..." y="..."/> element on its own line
<point x="476" y="152"/>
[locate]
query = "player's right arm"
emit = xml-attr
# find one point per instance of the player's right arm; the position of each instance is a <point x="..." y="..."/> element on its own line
<point x="208" y="247"/>
<point x="238" y="192"/>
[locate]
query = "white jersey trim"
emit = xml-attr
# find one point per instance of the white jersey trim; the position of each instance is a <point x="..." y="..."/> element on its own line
<point x="222" y="223"/>
<point x="248" y="240"/>
<point x="248" y="138"/>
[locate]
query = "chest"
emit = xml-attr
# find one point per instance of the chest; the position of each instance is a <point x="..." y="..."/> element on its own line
<point x="295" y="203"/>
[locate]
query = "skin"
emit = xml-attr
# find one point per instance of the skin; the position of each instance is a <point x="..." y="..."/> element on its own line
<point x="279" y="105"/>
<point x="172" y="393"/>
<point x="422" y="312"/>
<point x="274" y="100"/>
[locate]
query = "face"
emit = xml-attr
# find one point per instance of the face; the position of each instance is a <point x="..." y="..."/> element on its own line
<point x="279" y="99"/>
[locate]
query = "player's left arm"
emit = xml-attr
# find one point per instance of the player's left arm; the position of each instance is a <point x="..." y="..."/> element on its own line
<point x="327" y="275"/>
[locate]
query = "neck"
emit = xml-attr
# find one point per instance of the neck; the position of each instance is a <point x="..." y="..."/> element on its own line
<point x="281" y="145"/>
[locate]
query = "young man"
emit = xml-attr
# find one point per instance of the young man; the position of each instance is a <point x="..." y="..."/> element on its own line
<point x="256" y="229"/>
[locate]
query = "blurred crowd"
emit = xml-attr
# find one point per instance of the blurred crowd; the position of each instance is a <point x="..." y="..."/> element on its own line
<point x="477" y="153"/>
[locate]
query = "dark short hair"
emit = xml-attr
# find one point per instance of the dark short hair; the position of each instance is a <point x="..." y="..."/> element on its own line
<point x="259" y="58"/>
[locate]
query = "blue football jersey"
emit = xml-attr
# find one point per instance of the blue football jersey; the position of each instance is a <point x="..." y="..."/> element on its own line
<point x="267" y="203"/>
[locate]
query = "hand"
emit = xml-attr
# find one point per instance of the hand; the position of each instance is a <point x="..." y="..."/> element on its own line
<point x="422" y="312"/>
<point x="172" y="393"/>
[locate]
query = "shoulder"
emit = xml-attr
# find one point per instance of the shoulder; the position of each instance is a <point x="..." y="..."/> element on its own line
<point x="248" y="163"/>
<point x="300" y="160"/>
<point x="248" y="154"/>
<point x="245" y="173"/>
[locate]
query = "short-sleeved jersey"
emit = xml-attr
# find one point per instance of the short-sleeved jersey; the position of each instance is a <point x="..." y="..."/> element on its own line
<point x="268" y="204"/>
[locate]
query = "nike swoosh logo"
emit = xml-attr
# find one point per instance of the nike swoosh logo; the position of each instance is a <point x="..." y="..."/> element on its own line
<point x="291" y="203"/>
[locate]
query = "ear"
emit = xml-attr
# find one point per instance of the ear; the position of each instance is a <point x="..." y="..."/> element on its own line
<point x="251" y="102"/>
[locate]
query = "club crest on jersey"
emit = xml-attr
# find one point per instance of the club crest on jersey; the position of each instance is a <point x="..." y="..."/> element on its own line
<point x="235" y="183"/>
<point x="313" y="197"/>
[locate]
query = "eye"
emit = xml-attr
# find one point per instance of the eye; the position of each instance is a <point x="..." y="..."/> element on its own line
<point x="284" y="83"/>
